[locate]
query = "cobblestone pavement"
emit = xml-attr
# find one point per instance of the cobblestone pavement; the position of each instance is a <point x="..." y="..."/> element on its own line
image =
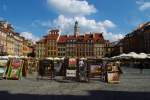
<point x="132" y="85"/>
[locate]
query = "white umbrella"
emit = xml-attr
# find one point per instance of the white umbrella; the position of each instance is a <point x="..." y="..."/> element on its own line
<point x="83" y="58"/>
<point x="133" y="55"/>
<point x="23" y="57"/>
<point x="123" y="55"/>
<point x="50" y="58"/>
<point x="143" y="55"/>
<point x="16" y="56"/>
<point x="148" y="55"/>
<point x="120" y="56"/>
<point x="56" y="58"/>
<point x="62" y="58"/>
<point x="10" y="56"/>
<point x="115" y="57"/>
<point x="4" y="57"/>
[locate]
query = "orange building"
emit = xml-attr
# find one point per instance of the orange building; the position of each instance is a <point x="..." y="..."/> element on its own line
<point x="51" y="39"/>
<point x="76" y="45"/>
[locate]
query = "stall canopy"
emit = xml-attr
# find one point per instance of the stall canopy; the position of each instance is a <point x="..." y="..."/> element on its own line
<point x="83" y="58"/>
<point x="132" y="55"/>
<point x="50" y="58"/>
<point x="56" y="58"/>
<point x="4" y="57"/>
<point x="122" y="56"/>
<point x="143" y="55"/>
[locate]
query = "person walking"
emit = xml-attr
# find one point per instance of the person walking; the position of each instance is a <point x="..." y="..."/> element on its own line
<point x="141" y="67"/>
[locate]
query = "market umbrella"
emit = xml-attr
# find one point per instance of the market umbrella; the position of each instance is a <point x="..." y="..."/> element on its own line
<point x="16" y="56"/>
<point x="50" y="58"/>
<point x="133" y="55"/>
<point x="83" y="58"/>
<point x="56" y="58"/>
<point x="4" y="57"/>
<point x="10" y="56"/>
<point x="62" y="58"/>
<point x="148" y="56"/>
<point x="143" y="55"/>
<point x="123" y="55"/>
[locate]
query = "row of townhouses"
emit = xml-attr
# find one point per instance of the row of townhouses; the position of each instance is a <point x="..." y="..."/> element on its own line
<point x="11" y="43"/>
<point x="86" y="45"/>
<point x="136" y="41"/>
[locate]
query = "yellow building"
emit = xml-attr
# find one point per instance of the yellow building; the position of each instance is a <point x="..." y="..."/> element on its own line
<point x="3" y="34"/>
<point x="40" y="48"/>
<point x="12" y="43"/>
<point x="26" y="48"/>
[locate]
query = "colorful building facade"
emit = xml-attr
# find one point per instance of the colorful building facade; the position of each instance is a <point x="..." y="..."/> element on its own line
<point x="76" y="45"/>
<point x="138" y="40"/>
<point x="11" y="43"/>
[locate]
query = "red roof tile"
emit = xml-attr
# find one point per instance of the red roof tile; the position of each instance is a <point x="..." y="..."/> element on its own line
<point x="62" y="39"/>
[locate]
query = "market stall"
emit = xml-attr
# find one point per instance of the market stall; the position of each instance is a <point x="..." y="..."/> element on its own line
<point x="113" y="72"/>
<point x="32" y="65"/>
<point x="95" y="68"/>
<point x="45" y="69"/>
<point x="14" y="69"/>
<point x="58" y="62"/>
<point x="70" y="68"/>
<point x="3" y="66"/>
<point x="25" y="67"/>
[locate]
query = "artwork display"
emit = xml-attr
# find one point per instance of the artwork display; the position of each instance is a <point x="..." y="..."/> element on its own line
<point x="3" y="66"/>
<point x="113" y="77"/>
<point x="15" y="69"/>
<point x="71" y="69"/>
<point x="71" y="73"/>
<point x="95" y="70"/>
<point x="72" y="62"/>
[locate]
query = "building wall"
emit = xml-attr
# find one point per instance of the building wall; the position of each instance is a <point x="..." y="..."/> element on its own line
<point x="11" y="42"/>
<point x="99" y="50"/>
<point x="61" y="49"/>
<point x="2" y="41"/>
<point x="138" y="40"/>
<point x="73" y="46"/>
<point x="40" y="49"/>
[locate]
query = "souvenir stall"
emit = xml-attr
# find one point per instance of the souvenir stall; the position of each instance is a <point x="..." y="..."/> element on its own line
<point x="25" y="67"/>
<point x="32" y="65"/>
<point x="3" y="66"/>
<point x="14" y="70"/>
<point x="58" y="62"/>
<point x="113" y="72"/>
<point x="71" y="68"/>
<point x="45" y="69"/>
<point x="95" y="68"/>
<point x="82" y="70"/>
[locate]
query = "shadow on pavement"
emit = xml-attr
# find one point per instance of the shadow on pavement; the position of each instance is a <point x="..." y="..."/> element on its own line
<point x="93" y="95"/>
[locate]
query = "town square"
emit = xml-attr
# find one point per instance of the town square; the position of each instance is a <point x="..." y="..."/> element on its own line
<point x="74" y="49"/>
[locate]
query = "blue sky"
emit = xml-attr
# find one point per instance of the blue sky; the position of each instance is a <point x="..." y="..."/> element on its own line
<point x="114" y="18"/>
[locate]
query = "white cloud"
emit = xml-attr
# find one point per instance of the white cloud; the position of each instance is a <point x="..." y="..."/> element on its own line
<point x="72" y="7"/>
<point x="30" y="36"/>
<point x="143" y="5"/>
<point x="66" y="24"/>
<point x="113" y="37"/>
<point x="76" y="10"/>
